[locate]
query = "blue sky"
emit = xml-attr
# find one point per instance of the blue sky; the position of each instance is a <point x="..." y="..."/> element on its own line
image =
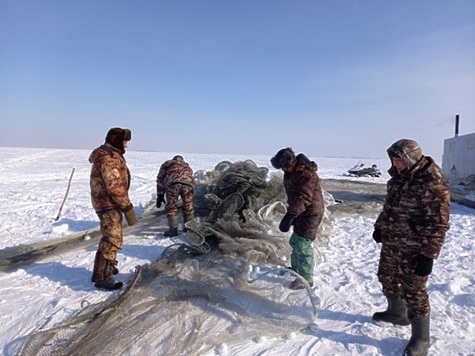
<point x="328" y="78"/>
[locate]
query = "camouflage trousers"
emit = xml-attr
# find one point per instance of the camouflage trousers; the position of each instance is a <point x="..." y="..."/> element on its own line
<point x="111" y="229"/>
<point x="183" y="191"/>
<point x="302" y="259"/>
<point x="396" y="275"/>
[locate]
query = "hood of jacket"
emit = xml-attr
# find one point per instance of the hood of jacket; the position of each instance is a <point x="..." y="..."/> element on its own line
<point x="303" y="160"/>
<point x="406" y="149"/>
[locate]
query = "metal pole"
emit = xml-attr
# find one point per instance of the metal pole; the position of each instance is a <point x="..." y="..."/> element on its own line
<point x="457" y="120"/>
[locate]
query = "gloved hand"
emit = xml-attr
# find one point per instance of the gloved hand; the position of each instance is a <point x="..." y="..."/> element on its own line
<point x="286" y="222"/>
<point x="423" y="265"/>
<point x="160" y="200"/>
<point x="377" y="235"/>
<point x="130" y="217"/>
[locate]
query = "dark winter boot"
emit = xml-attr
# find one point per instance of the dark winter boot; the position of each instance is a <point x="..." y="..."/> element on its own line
<point x="172" y="226"/>
<point x="420" y="339"/>
<point x="105" y="280"/>
<point x="96" y="267"/>
<point x="94" y="274"/>
<point x="286" y="270"/>
<point x="396" y="312"/>
<point x="298" y="283"/>
<point x="115" y="270"/>
<point x="187" y="218"/>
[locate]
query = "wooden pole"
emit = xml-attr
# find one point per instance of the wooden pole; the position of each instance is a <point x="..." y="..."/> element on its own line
<point x="65" y="196"/>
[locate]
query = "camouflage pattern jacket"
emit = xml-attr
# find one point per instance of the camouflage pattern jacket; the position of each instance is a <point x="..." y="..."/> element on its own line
<point x="173" y="172"/>
<point x="110" y="179"/>
<point x="304" y="197"/>
<point x="415" y="216"/>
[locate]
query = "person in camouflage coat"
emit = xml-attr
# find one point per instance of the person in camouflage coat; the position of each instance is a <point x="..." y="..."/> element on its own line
<point x="175" y="180"/>
<point x="305" y="210"/>
<point x="110" y="182"/>
<point x="411" y="228"/>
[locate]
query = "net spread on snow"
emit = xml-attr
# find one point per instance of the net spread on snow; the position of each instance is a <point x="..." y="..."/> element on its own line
<point x="225" y="284"/>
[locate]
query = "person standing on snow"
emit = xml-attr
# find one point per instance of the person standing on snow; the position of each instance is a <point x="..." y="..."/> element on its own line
<point x="305" y="210"/>
<point x="175" y="180"/>
<point x="411" y="228"/>
<point x="110" y="182"/>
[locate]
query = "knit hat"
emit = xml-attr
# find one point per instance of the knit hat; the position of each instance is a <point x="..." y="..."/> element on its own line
<point x="116" y="137"/>
<point x="283" y="158"/>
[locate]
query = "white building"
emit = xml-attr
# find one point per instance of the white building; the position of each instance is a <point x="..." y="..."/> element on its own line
<point x="458" y="164"/>
<point x="458" y="161"/>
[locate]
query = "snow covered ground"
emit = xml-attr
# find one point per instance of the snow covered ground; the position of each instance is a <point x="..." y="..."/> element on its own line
<point x="41" y="295"/>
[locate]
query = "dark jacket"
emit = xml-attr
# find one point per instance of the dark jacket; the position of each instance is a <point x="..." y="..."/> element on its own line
<point x="304" y="197"/>
<point x="415" y="216"/>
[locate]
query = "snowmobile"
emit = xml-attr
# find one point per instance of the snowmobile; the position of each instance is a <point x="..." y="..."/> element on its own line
<point x="360" y="170"/>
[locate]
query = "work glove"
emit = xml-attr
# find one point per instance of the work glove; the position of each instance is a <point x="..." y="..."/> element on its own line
<point x="286" y="222"/>
<point x="423" y="265"/>
<point x="130" y="217"/>
<point x="160" y="200"/>
<point x="377" y="235"/>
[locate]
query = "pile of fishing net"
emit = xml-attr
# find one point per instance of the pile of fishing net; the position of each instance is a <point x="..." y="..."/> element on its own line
<point x="225" y="284"/>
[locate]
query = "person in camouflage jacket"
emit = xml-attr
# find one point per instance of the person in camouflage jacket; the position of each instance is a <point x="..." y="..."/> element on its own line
<point x="411" y="228"/>
<point x="110" y="182"/>
<point x="305" y="210"/>
<point x="175" y="180"/>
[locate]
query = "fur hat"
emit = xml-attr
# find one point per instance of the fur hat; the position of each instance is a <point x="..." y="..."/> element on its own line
<point x="283" y="158"/>
<point x="116" y="137"/>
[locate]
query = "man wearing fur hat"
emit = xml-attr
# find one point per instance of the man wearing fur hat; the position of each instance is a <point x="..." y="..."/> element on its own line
<point x="110" y="182"/>
<point x="411" y="228"/>
<point x="175" y="180"/>
<point x="305" y="210"/>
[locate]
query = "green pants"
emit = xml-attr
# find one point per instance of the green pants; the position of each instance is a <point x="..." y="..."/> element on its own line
<point x="302" y="259"/>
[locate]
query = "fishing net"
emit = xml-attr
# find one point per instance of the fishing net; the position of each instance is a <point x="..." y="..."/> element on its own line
<point x="225" y="284"/>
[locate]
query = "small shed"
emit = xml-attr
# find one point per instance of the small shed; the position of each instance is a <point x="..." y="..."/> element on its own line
<point x="458" y="163"/>
<point x="458" y="160"/>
